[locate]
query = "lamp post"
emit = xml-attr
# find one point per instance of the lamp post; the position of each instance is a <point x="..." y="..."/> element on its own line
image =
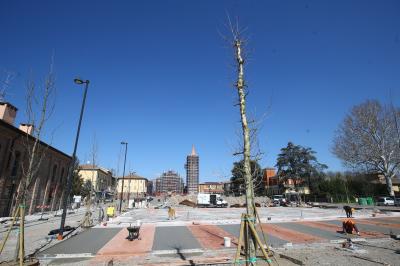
<point x="123" y="176"/>
<point x="72" y="165"/>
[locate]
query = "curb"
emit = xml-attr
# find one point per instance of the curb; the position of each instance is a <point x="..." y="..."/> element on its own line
<point x="176" y="251"/>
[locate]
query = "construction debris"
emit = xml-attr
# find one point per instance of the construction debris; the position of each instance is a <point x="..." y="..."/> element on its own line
<point x="188" y="203"/>
<point x="176" y="200"/>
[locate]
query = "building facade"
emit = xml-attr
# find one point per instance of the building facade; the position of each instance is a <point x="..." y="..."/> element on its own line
<point x="276" y="185"/>
<point x="169" y="183"/>
<point x="48" y="185"/>
<point x="192" y="172"/>
<point x="211" y="188"/>
<point x="135" y="187"/>
<point x="101" y="178"/>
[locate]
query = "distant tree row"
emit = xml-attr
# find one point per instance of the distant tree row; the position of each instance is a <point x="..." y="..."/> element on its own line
<point x="367" y="142"/>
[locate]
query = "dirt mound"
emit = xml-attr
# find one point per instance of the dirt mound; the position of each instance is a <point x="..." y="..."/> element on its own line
<point x="176" y="200"/>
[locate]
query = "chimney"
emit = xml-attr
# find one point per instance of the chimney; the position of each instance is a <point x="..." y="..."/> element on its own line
<point x="27" y="128"/>
<point x="8" y="112"/>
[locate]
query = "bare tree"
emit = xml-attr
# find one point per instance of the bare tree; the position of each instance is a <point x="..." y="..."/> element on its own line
<point x="237" y="42"/>
<point x="368" y="140"/>
<point x="39" y="107"/>
<point x="5" y="84"/>
<point x="93" y="157"/>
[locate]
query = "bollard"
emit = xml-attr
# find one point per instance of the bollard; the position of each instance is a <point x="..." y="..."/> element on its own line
<point x="227" y="242"/>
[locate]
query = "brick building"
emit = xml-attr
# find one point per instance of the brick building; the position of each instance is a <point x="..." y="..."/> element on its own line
<point x="49" y="184"/>
<point x="275" y="185"/>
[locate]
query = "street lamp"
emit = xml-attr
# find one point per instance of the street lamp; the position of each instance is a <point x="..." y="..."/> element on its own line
<point x="123" y="176"/>
<point x="71" y="167"/>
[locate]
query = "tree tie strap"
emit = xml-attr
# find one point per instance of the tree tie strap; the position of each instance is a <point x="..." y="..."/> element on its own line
<point x="252" y="260"/>
<point x="250" y="219"/>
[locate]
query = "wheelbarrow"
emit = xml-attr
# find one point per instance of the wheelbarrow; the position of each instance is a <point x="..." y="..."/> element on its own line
<point x="133" y="232"/>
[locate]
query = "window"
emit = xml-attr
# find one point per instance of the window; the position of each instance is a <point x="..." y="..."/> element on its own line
<point x="15" y="166"/>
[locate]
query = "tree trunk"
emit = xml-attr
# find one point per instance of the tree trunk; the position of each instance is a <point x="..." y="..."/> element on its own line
<point x="33" y="199"/>
<point x="246" y="146"/>
<point x="389" y="185"/>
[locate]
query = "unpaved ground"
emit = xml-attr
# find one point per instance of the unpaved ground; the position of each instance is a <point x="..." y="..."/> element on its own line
<point x="176" y="199"/>
<point x="372" y="252"/>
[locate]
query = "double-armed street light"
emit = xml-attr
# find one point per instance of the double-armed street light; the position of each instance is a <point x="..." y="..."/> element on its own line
<point x="123" y="176"/>
<point x="71" y="167"/>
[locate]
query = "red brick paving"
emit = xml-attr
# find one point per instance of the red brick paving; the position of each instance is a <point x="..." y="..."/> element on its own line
<point x="378" y="223"/>
<point x="121" y="246"/>
<point x="290" y="235"/>
<point x="210" y="236"/>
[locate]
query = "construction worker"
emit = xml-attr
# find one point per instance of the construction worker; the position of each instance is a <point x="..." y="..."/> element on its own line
<point x="171" y="213"/>
<point x="348" y="210"/>
<point x="349" y="226"/>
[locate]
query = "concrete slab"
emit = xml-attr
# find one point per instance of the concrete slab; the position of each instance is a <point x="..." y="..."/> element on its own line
<point x="391" y="220"/>
<point x="87" y="242"/>
<point x="211" y="236"/>
<point x="174" y="238"/>
<point x="335" y="228"/>
<point x="313" y="231"/>
<point x="271" y="240"/>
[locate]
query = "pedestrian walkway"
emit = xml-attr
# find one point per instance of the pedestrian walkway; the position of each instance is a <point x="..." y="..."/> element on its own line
<point x="181" y="240"/>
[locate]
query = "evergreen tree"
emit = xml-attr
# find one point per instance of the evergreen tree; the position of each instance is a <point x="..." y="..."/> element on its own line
<point x="299" y="164"/>
<point x="238" y="178"/>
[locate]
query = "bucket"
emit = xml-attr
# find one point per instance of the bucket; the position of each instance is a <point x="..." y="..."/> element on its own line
<point x="227" y="242"/>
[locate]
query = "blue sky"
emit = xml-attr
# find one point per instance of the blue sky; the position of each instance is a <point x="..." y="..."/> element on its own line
<point x="161" y="75"/>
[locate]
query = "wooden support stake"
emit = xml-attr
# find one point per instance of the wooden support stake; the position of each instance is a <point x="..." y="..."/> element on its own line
<point x="21" y="234"/>
<point x="9" y="229"/>
<point x="247" y="225"/>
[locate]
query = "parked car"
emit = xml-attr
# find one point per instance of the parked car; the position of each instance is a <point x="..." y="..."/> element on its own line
<point x="278" y="200"/>
<point x="385" y="201"/>
<point x="396" y="201"/>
